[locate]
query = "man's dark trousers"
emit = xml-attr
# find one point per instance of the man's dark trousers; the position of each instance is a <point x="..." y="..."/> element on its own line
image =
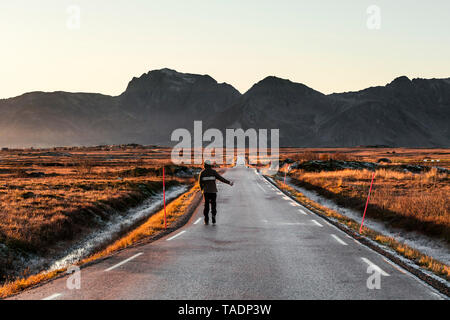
<point x="210" y="199"/>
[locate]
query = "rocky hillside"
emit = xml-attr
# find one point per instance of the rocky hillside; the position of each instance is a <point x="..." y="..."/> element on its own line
<point x="403" y="113"/>
<point x="410" y="113"/>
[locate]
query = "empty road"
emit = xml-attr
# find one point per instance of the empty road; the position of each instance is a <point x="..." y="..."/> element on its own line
<point x="265" y="246"/>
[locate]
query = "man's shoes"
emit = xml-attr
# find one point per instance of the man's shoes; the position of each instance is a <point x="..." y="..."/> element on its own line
<point x="214" y="220"/>
<point x="207" y="221"/>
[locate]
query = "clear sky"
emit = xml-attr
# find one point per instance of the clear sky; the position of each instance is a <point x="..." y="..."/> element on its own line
<point x="326" y="44"/>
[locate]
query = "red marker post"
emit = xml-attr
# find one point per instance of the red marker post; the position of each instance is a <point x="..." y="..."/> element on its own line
<point x="164" y="198"/>
<point x="367" y="202"/>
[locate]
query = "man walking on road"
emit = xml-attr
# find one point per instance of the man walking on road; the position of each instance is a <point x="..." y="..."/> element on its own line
<point x="207" y="182"/>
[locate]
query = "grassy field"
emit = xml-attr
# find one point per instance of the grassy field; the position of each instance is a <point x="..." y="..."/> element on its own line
<point x="54" y="197"/>
<point x="411" y="201"/>
<point x="51" y="198"/>
<point x="425" y="157"/>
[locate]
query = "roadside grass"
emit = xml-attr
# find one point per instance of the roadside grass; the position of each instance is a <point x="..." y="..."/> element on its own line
<point x="411" y="156"/>
<point x="413" y="202"/>
<point x="440" y="269"/>
<point x="50" y="198"/>
<point x="153" y="226"/>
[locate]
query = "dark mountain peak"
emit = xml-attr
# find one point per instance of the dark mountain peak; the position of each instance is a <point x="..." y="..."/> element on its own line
<point x="169" y="80"/>
<point x="274" y="85"/>
<point x="403" y="113"/>
<point x="400" y="82"/>
<point x="271" y="82"/>
<point x="401" y="79"/>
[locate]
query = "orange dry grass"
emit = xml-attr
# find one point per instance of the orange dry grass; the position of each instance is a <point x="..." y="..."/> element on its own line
<point x="17" y="286"/>
<point x="414" y="255"/>
<point x="396" y="155"/>
<point x="38" y="211"/>
<point x="50" y="198"/>
<point x="412" y="201"/>
<point x="151" y="227"/>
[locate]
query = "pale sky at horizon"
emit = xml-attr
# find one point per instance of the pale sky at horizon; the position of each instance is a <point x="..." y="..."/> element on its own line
<point x="324" y="44"/>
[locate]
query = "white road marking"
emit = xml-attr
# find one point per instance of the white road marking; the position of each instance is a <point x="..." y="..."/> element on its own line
<point x="338" y="239"/>
<point x="287" y="198"/>
<point x="177" y="235"/>
<point x="437" y="295"/>
<point x="317" y="223"/>
<point x="394" y="266"/>
<point x="303" y="212"/>
<point x="53" y="296"/>
<point x="123" y="262"/>
<point x="373" y="265"/>
<point x="295" y="204"/>
<point x="265" y="221"/>
<point x="290" y="224"/>
<point x="328" y="223"/>
<point x="198" y="220"/>
<point x="261" y="187"/>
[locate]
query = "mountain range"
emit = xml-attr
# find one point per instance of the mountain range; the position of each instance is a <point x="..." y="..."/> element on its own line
<point x="404" y="113"/>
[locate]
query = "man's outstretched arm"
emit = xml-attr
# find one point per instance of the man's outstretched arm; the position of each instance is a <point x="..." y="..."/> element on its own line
<point x="220" y="178"/>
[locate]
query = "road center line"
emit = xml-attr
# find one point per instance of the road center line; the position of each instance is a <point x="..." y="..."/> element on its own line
<point x="373" y="265"/>
<point x="317" y="223"/>
<point x="177" y="235"/>
<point x="338" y="239"/>
<point x="198" y="220"/>
<point x="123" y="262"/>
<point x="53" y="296"/>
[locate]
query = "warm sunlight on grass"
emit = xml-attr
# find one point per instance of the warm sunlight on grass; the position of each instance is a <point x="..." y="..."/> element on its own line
<point x="51" y="198"/>
<point x="416" y="256"/>
<point x="412" y="201"/>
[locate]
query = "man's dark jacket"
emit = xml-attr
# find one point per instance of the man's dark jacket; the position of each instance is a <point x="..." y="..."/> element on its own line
<point x="207" y="180"/>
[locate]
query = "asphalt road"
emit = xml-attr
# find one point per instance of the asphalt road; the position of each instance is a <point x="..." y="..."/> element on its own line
<point x="265" y="246"/>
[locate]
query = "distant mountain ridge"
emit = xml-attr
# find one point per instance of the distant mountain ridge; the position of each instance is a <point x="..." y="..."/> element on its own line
<point x="407" y="113"/>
